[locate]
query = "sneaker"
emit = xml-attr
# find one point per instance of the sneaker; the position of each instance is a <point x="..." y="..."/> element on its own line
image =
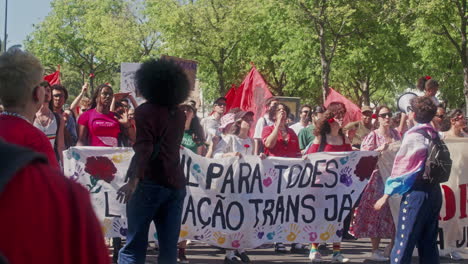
<point x="243" y="256"/>
<point x="280" y="248"/>
<point x="182" y="258"/>
<point x="323" y="246"/>
<point x="348" y="236"/>
<point x="297" y="248"/>
<point x="454" y="255"/>
<point x="378" y="256"/>
<point x="339" y="258"/>
<point x="315" y="257"/>
<point x="233" y="260"/>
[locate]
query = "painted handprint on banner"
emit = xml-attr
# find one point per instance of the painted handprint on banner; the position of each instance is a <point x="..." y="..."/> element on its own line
<point x="197" y="172"/>
<point x="277" y="233"/>
<point x="117" y="158"/>
<point x="205" y="235"/>
<point x="106" y="226"/>
<point x="344" y="160"/>
<point x="311" y="234"/>
<point x="271" y="176"/>
<point x="77" y="172"/>
<point x="184" y="231"/>
<point x="75" y="155"/>
<point x="259" y="232"/>
<point x="292" y="232"/>
<point x="346" y="176"/>
<point x="339" y="232"/>
<point x="119" y="228"/>
<point x="219" y="238"/>
<point x="327" y="234"/>
<point x="236" y="239"/>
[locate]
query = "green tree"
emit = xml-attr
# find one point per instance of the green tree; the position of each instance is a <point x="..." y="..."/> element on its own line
<point x="209" y="32"/>
<point x="437" y="29"/>
<point x="90" y="37"/>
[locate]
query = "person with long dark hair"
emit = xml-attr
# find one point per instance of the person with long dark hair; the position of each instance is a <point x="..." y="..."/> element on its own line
<point x="99" y="126"/>
<point x="193" y="139"/>
<point x="157" y="191"/>
<point x="329" y="137"/>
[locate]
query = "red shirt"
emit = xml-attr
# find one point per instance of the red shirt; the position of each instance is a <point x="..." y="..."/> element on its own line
<point x="47" y="218"/>
<point x="287" y="149"/>
<point x="331" y="148"/>
<point x="18" y="131"/>
<point x="103" y="129"/>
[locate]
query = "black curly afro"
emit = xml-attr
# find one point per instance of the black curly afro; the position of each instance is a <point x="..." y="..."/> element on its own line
<point x="162" y="82"/>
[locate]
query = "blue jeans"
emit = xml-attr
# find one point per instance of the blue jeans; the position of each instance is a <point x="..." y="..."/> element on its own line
<point x="153" y="202"/>
<point x="418" y="223"/>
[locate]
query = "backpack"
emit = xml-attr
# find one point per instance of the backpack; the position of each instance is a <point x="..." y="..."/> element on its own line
<point x="13" y="158"/>
<point x="438" y="161"/>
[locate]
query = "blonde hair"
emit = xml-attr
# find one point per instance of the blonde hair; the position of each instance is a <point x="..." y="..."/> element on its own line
<point x="20" y="73"/>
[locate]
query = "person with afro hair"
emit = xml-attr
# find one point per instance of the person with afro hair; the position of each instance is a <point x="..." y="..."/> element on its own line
<point x="157" y="190"/>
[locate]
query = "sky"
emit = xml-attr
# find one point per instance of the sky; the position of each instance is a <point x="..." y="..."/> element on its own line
<point x="22" y="14"/>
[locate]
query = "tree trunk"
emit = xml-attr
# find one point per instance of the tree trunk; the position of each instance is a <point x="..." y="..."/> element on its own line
<point x="465" y="87"/>
<point x="324" y="61"/>
<point x="365" y="92"/>
<point x="221" y="81"/>
<point x="325" y="78"/>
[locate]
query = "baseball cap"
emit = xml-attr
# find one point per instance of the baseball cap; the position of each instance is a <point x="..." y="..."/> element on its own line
<point x="366" y="109"/>
<point x="220" y="100"/>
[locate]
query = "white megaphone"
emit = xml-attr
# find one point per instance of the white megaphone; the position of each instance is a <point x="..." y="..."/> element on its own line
<point x="404" y="100"/>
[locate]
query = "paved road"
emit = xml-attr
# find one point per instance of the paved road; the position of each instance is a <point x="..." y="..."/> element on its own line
<point x="356" y="251"/>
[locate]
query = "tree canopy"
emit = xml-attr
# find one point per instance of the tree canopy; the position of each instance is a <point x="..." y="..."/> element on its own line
<point x="369" y="50"/>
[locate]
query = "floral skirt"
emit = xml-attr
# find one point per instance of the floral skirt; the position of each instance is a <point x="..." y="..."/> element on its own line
<point x="367" y="222"/>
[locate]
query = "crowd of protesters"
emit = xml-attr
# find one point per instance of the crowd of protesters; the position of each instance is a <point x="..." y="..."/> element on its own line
<point x="156" y="192"/>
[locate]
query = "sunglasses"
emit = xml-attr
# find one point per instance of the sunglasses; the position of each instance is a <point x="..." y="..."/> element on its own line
<point x="58" y="95"/>
<point x="305" y="112"/>
<point x="385" y="115"/>
<point x="440" y="116"/>
<point x="220" y="104"/>
<point x="458" y="118"/>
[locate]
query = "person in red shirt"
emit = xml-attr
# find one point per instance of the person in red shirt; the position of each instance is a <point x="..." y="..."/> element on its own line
<point x="329" y="137"/>
<point x="279" y="140"/>
<point x="329" y="131"/>
<point x="21" y="94"/>
<point x="45" y="217"/>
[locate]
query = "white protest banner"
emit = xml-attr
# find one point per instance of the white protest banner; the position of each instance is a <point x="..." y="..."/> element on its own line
<point x="239" y="203"/>
<point x="127" y="79"/>
<point x="453" y="220"/>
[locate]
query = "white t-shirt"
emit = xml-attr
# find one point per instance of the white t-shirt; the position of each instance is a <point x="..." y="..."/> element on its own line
<point x="261" y="123"/>
<point x="50" y="130"/>
<point x="233" y="143"/>
<point x="297" y="127"/>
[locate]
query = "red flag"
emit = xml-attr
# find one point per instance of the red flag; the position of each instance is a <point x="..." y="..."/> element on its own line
<point x="53" y="78"/>
<point x="252" y="93"/>
<point x="230" y="97"/>
<point x="353" y="112"/>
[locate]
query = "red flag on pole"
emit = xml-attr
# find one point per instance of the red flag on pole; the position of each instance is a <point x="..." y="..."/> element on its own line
<point x="353" y="112"/>
<point x="230" y="97"/>
<point x="252" y="94"/>
<point x="53" y="78"/>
